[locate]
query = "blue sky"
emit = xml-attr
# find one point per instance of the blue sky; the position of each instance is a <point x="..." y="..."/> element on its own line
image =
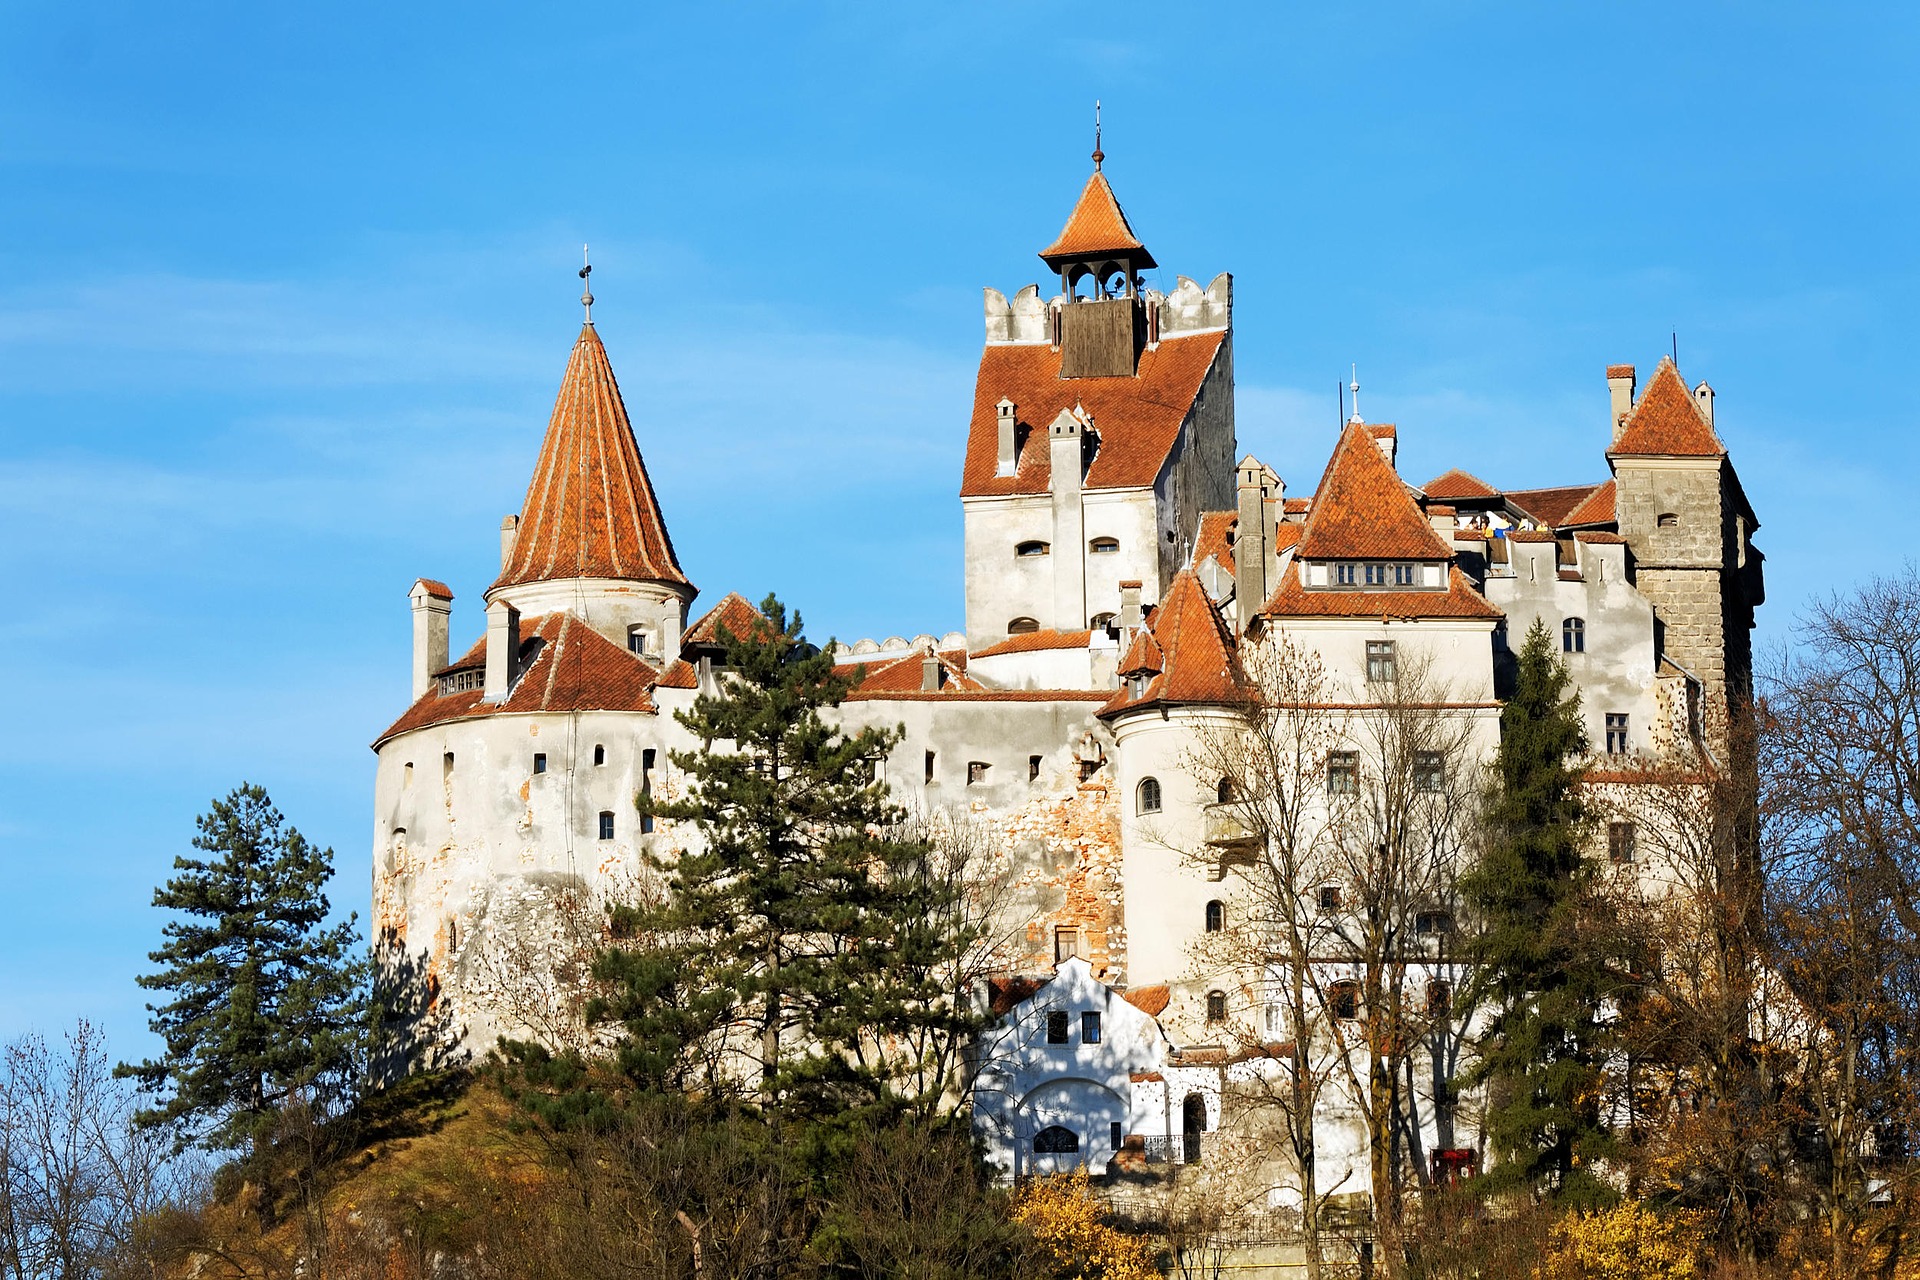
<point x="286" y="291"/>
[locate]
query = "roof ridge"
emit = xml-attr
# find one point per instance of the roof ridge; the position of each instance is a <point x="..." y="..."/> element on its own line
<point x="1359" y="475"/>
<point x="1655" y="426"/>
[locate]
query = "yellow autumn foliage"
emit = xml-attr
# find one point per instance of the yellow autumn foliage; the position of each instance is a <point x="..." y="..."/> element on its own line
<point x="1626" y="1242"/>
<point x="1065" y="1219"/>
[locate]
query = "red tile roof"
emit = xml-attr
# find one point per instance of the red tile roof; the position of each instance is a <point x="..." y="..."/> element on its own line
<point x="1095" y="228"/>
<point x="1037" y="641"/>
<point x="733" y="612"/>
<point x="576" y="669"/>
<point x="1151" y="1001"/>
<point x="1459" y="600"/>
<point x="1458" y="484"/>
<point x="1529" y="535"/>
<point x="1362" y="509"/>
<point x="1598" y="508"/>
<point x="1619" y="371"/>
<point x="1138" y="418"/>
<point x="1550" y="506"/>
<point x="1602" y="539"/>
<point x="1215" y="537"/>
<point x="680" y="674"/>
<point x="1299" y="506"/>
<point x="1004" y="993"/>
<point x="887" y="677"/>
<point x="1383" y="430"/>
<point x="438" y="590"/>
<point x="1666" y="422"/>
<point x="1197" y="659"/>
<point x="1439" y="509"/>
<point x="590" y="510"/>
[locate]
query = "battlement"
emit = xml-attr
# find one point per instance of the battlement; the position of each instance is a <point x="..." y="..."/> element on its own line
<point x="1027" y="320"/>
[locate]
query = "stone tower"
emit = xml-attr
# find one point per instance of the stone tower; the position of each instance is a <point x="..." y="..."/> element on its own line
<point x="1689" y="528"/>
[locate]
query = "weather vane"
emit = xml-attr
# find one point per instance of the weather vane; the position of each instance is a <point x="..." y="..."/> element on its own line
<point x="1356" y="395"/>
<point x="586" y="290"/>
<point x="1098" y="154"/>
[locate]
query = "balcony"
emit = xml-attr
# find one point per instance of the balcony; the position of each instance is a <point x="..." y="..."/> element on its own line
<point x="1225" y="825"/>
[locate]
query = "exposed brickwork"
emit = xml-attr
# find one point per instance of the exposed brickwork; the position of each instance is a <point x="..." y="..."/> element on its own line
<point x="1064" y="856"/>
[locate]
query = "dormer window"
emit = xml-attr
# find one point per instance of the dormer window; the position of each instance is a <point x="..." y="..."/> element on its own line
<point x="639" y="640"/>
<point x="1032" y="549"/>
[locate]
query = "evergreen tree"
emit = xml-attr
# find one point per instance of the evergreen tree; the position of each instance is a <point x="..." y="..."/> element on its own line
<point x="269" y="1002"/>
<point x="1543" y="946"/>
<point x="803" y="929"/>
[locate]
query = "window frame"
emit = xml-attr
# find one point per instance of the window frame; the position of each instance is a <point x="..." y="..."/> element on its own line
<point x="1383" y="661"/>
<point x="1619" y="733"/>
<point x="1573" y="635"/>
<point x="1623" y="839"/>
<point x="1216" y="1006"/>
<point x="539" y="762"/>
<point x="1032" y="549"/>
<point x="1343" y="773"/>
<point x="1216" y="916"/>
<point x="1343" y="1000"/>
<point x="1089" y="1022"/>
<point x="1147" y="796"/>
<point x="1022" y="626"/>
<point x="606" y="824"/>
<point x="1429" y="772"/>
<point x="1102" y="546"/>
<point x="1057" y="1028"/>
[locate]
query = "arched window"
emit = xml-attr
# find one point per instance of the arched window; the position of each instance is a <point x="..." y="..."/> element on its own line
<point x="1224" y="793"/>
<point x="1216" y="1006"/>
<point x="1022" y="627"/>
<point x="1667" y="520"/>
<point x="1101" y="622"/>
<point x="1148" y="796"/>
<point x="1573" y="635"/>
<point x="1101" y="546"/>
<point x="1216" y="916"/>
<point x="1035" y="548"/>
<point x="1055" y="1140"/>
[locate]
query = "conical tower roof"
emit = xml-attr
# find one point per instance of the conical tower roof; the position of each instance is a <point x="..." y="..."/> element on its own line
<point x="1096" y="229"/>
<point x="590" y="510"/>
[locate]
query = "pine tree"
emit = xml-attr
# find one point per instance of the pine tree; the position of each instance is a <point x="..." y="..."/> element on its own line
<point x="802" y="928"/>
<point x="269" y="1002"/>
<point x="1543" y="946"/>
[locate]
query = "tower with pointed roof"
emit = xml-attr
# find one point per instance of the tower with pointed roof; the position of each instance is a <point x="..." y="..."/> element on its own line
<point x="1102" y="427"/>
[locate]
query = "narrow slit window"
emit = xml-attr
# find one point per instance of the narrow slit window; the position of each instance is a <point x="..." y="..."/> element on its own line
<point x="929" y="777"/>
<point x="1033" y="768"/>
<point x="646" y="788"/>
<point x="1216" y="916"/>
<point x="600" y="753"/>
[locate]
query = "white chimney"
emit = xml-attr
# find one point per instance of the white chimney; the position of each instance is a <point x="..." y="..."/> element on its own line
<point x="1009" y="439"/>
<point x="509" y="534"/>
<point x="503" y="649"/>
<point x="1620" y="383"/>
<point x="432" y="605"/>
<point x="1703" y="396"/>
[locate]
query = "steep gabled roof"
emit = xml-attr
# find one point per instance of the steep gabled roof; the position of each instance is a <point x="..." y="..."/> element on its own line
<point x="574" y="669"/>
<point x="1196" y="652"/>
<point x="1667" y="422"/>
<point x="734" y="613"/>
<point x="1096" y="228"/>
<point x="590" y="510"/>
<point x="1550" y="506"/>
<point x="1597" y="508"/>
<point x="1459" y="600"/>
<point x="1362" y="509"/>
<point x="1138" y="418"/>
<point x="1457" y="484"/>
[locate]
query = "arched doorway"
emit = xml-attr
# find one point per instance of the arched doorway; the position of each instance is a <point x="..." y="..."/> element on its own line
<point x="1193" y="1123"/>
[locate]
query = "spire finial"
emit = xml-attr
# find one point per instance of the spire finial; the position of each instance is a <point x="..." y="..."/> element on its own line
<point x="586" y="288"/>
<point x="1354" y="387"/>
<point x="1098" y="154"/>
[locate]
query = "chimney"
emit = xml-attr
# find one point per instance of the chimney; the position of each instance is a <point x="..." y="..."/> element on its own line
<point x="1441" y="518"/>
<point x="1130" y="607"/>
<point x="432" y="605"/>
<point x="1066" y="443"/>
<point x="509" y="534"/>
<point x="1703" y="396"/>
<point x="1009" y="439"/>
<point x="1276" y="512"/>
<point x="1387" y="436"/>
<point x="503" y="649"/>
<point x="1620" y="389"/>
<point x="930" y="673"/>
<point x="1250" y="540"/>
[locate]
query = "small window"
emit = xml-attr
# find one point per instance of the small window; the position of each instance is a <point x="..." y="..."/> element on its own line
<point x="1115" y="1136"/>
<point x="1329" y="897"/>
<point x="1617" y="742"/>
<point x="1573" y="635"/>
<point x="1033" y="768"/>
<point x="1403" y="575"/>
<point x="977" y="772"/>
<point x="1137" y="686"/>
<point x="406" y="775"/>
<point x="1376" y="575"/>
<point x="1022" y="627"/>
<point x="1101" y="622"/>
<point x="600" y="753"/>
<point x="1066" y="943"/>
<point x="539" y="762"/>
<point x="1057" y="1027"/>
<point x="1147" y="799"/>
<point x="1429" y="771"/>
<point x="1667" y="520"/>
<point x="929" y="766"/>
<point x="1343" y="773"/>
<point x="1032" y="549"/>
<point x="1343" y="575"/>
<point x="1383" y="662"/>
<point x="1433" y="922"/>
<point x="606" y="824"/>
<point x="1620" y="840"/>
<point x="1224" y="792"/>
<point x="1090" y="1028"/>
<point x="1216" y="916"/>
<point x="639" y="640"/>
<point x="646" y="784"/>
<point x="1216" y="1006"/>
<point x="1343" y="1000"/>
<point x="1103" y="546"/>
<point x="1056" y="1140"/>
<point x="1439" y="997"/>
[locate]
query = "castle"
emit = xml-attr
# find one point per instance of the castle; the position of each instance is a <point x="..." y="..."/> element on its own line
<point x="1123" y="574"/>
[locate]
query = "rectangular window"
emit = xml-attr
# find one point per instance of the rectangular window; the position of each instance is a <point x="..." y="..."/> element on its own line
<point x="1033" y="768"/>
<point x="929" y="766"/>
<point x="539" y="762"/>
<point x="1383" y="662"/>
<point x="606" y="825"/>
<point x="976" y="772"/>
<point x="1433" y="922"/>
<point x="1343" y="1000"/>
<point x="1429" y="771"/>
<point x="1343" y="574"/>
<point x="1056" y="1028"/>
<point x="1329" y="897"/>
<point x="1376" y="575"/>
<point x="1116" y="1135"/>
<point x="646" y="786"/>
<point x="1089" y="1028"/>
<point x="1620" y="838"/>
<point x="1617" y="744"/>
<point x="1066" y="943"/>
<point x="1343" y="773"/>
<point x="1403" y="575"/>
